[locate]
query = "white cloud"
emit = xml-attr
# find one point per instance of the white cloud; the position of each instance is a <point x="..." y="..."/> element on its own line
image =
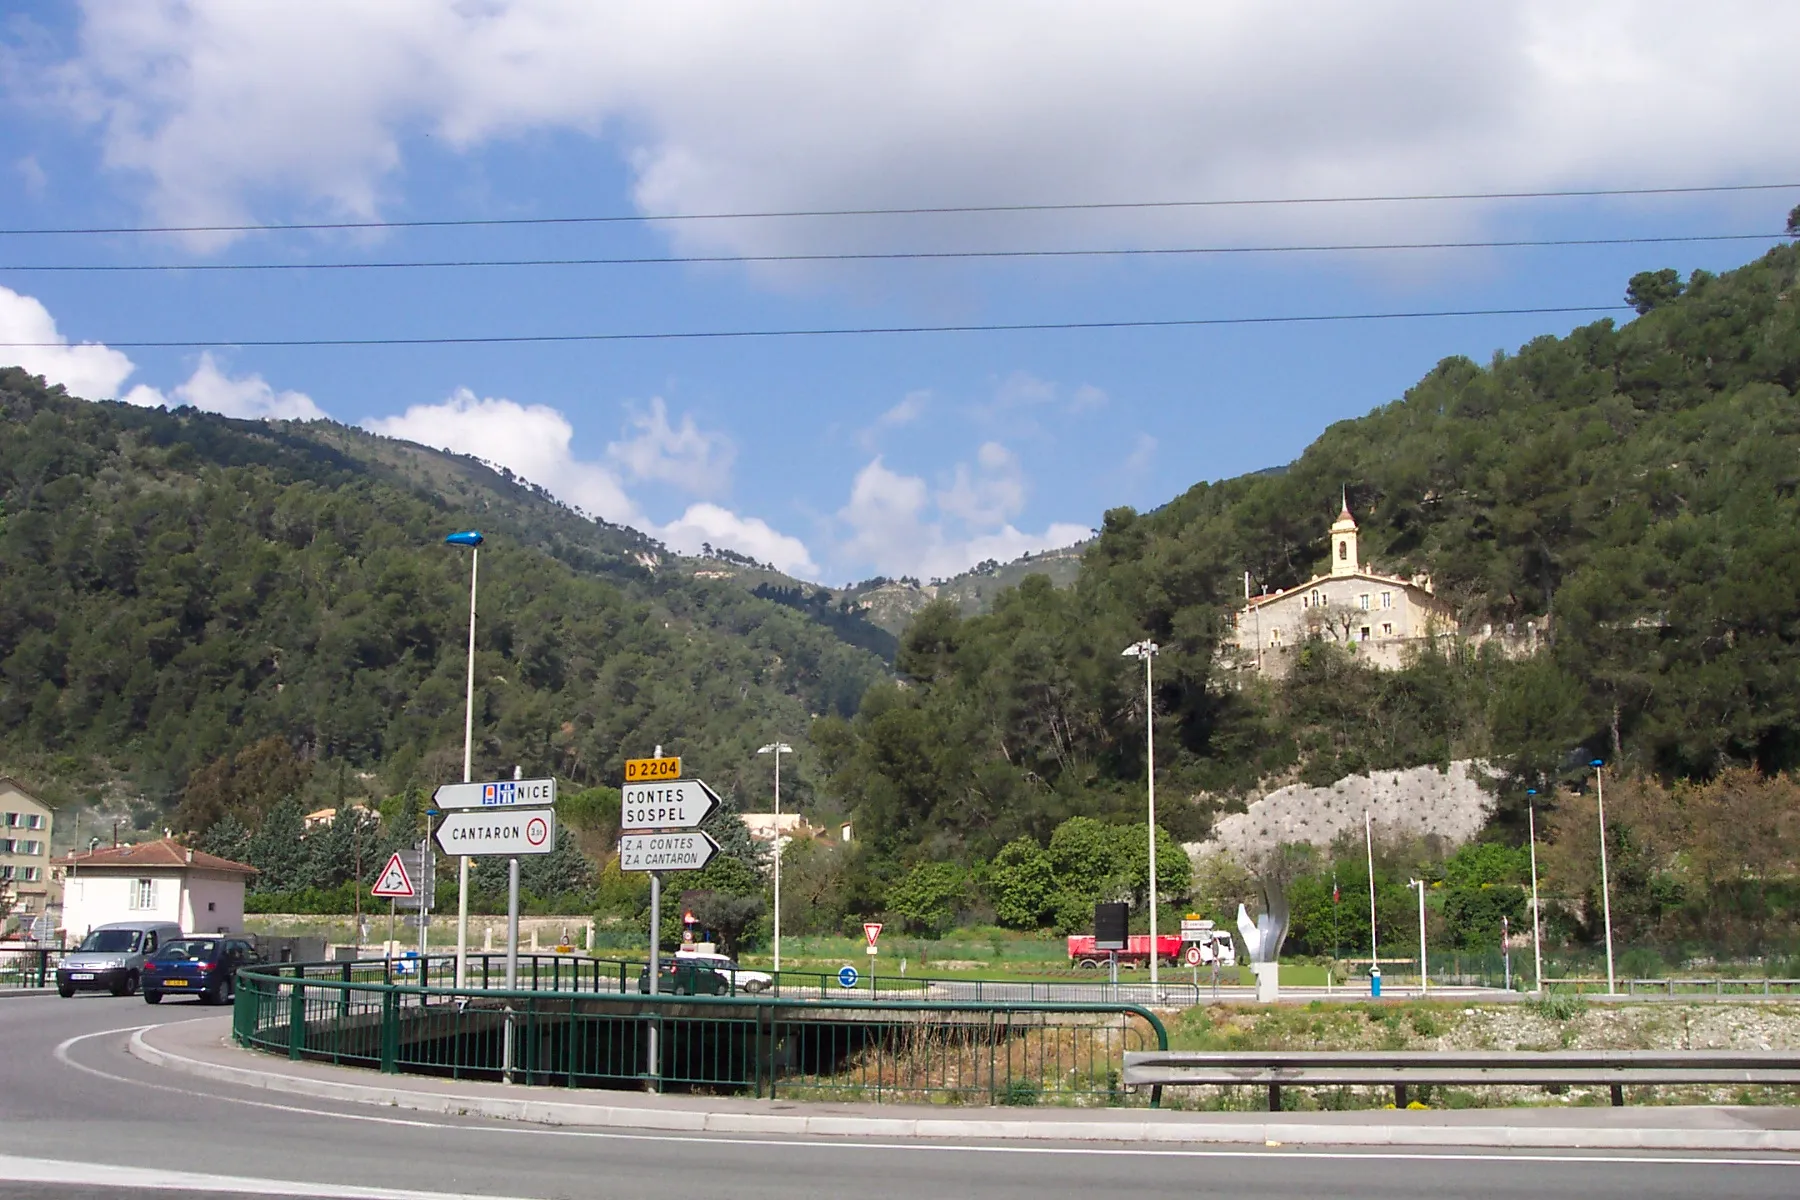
<point x="702" y="524"/>
<point x="683" y="456"/>
<point x="29" y="339"/>
<point x="217" y="104"/>
<point x="530" y="440"/>
<point x="898" y="526"/>
<point x="910" y="408"/>
<point x="248" y="396"/>
<point x="535" y="442"/>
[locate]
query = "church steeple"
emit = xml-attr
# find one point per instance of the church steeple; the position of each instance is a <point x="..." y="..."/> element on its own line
<point x="1344" y="560"/>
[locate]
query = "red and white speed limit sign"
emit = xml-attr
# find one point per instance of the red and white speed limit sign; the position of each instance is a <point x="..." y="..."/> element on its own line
<point x="1192" y="955"/>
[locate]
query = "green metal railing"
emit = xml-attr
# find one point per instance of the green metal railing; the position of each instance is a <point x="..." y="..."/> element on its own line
<point x="855" y="1049"/>
<point x="29" y="966"/>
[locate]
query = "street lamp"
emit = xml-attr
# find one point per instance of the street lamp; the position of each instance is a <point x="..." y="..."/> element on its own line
<point x="1424" y="977"/>
<point x="777" y="749"/>
<point x="1605" y="887"/>
<point x="1146" y="650"/>
<point x="1537" y="930"/>
<point x="472" y="540"/>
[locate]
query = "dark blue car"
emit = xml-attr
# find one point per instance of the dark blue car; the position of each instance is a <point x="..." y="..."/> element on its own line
<point x="204" y="967"/>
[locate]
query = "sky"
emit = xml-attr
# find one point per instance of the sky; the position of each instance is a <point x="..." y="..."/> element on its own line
<point x="841" y="455"/>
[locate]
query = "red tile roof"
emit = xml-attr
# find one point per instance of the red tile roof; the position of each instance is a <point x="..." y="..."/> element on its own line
<point x="165" y="852"/>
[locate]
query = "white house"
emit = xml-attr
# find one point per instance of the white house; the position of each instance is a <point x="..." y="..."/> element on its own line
<point x="153" y="881"/>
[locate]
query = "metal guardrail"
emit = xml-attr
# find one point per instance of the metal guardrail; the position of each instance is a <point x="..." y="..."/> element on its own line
<point x="1716" y="986"/>
<point x="29" y="966"/>
<point x="1614" y="1069"/>
<point x="854" y="1049"/>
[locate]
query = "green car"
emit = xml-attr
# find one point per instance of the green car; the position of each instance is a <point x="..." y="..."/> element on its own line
<point x="683" y="978"/>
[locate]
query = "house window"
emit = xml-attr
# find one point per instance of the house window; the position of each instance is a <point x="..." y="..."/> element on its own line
<point x="13" y="819"/>
<point x="33" y="874"/>
<point x="28" y="847"/>
<point x="1387" y="630"/>
<point x="1362" y="602"/>
<point x="1365" y="634"/>
<point x="5" y="873"/>
<point x="143" y="894"/>
<point x="1275" y="636"/>
<point x="6" y="845"/>
<point x="1318" y="598"/>
<point x="1387" y="599"/>
<point x="34" y="820"/>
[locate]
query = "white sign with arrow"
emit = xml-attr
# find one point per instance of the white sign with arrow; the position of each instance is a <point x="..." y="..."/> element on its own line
<point x="504" y="793"/>
<point x="688" y="850"/>
<point x="673" y="804"/>
<point x="506" y="831"/>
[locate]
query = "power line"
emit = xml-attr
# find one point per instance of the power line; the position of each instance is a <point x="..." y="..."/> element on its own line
<point x="935" y="210"/>
<point x="888" y="256"/>
<point x="871" y="330"/>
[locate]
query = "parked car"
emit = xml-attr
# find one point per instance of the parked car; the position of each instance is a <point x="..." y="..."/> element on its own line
<point x="111" y="957"/>
<point x="203" y="967"/>
<point x="685" y="977"/>
<point x="743" y="978"/>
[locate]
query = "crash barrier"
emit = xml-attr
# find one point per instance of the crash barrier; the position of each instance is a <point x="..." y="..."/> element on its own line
<point x="28" y="966"/>
<point x="831" y="1048"/>
<point x="1587" y="986"/>
<point x="1613" y="1069"/>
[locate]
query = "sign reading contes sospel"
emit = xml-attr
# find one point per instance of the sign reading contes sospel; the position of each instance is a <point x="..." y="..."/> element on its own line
<point x="675" y="804"/>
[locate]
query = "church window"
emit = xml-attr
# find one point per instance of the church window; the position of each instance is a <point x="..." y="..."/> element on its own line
<point x="1318" y="598"/>
<point x="1343" y="551"/>
<point x="1365" y="634"/>
<point x="1362" y="602"/>
<point x="1387" y="599"/>
<point x="1387" y="630"/>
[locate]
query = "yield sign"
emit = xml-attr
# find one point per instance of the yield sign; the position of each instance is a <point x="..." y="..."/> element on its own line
<point x="871" y="930"/>
<point x="394" y="882"/>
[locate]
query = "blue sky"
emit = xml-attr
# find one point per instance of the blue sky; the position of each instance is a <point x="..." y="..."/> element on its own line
<point x="843" y="457"/>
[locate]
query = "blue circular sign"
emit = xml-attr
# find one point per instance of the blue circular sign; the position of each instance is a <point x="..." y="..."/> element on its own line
<point x="847" y="977"/>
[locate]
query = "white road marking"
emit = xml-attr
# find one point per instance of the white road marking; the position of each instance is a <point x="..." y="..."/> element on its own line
<point x="500" y="1127"/>
<point x="15" y="1169"/>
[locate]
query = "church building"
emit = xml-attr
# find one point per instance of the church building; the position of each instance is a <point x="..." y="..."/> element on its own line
<point x="1379" y="617"/>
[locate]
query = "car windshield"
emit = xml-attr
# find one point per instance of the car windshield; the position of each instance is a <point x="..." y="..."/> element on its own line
<point x="110" y="941"/>
<point x="189" y="950"/>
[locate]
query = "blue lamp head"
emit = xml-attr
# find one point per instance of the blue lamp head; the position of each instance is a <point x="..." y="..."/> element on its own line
<point x="1598" y="762"/>
<point x="467" y="537"/>
<point x="1531" y="791"/>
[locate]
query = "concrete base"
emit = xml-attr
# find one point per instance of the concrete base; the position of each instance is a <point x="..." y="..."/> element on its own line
<point x="1268" y="982"/>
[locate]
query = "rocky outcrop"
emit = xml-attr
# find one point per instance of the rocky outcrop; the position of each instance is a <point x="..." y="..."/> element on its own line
<point x="1420" y="801"/>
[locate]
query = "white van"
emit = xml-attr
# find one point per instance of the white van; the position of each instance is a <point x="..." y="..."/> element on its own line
<point x="111" y="957"/>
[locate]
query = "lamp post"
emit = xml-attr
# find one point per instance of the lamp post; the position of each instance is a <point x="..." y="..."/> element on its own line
<point x="1424" y="977"/>
<point x="777" y="749"/>
<point x="472" y="540"/>
<point x="1605" y="887"/>
<point x="1146" y="650"/>
<point x="1537" y="929"/>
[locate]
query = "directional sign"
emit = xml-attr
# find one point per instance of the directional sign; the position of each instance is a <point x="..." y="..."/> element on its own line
<point x="681" y="804"/>
<point x="503" y="831"/>
<point x="686" y="851"/>
<point x="504" y="793"/>
<point x="645" y="770"/>
<point x="846" y="977"/>
<point x="394" y="882"/>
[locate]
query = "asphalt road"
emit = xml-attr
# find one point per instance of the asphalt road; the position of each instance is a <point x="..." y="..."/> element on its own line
<point x="79" y="1117"/>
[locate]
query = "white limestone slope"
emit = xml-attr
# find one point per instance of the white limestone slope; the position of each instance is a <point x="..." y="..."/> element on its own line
<point x="1420" y="801"/>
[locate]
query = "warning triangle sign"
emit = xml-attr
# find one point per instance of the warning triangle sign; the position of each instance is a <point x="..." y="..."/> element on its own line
<point x="394" y="883"/>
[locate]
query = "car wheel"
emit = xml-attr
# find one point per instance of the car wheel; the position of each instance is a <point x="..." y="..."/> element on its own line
<point x="125" y="986"/>
<point x="1087" y="964"/>
<point x="65" y="991"/>
<point x="721" y="988"/>
<point x="754" y="986"/>
<point x="152" y="997"/>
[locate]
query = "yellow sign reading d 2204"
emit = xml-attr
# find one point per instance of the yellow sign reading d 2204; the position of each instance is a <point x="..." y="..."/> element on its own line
<point x="646" y="770"/>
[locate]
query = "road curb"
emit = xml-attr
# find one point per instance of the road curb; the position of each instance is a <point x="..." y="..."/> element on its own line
<point x="22" y="993"/>
<point x="532" y="1105"/>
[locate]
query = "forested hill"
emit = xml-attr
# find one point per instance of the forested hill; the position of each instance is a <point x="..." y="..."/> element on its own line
<point x="1635" y="484"/>
<point x="177" y="586"/>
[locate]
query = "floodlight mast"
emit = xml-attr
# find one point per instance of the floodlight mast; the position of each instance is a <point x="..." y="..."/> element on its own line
<point x="1147" y="651"/>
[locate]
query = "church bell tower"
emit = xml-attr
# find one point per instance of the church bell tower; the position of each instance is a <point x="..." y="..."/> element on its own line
<point x="1343" y="543"/>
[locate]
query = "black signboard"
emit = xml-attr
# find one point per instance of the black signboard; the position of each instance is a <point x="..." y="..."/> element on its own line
<point x="1110" y="926"/>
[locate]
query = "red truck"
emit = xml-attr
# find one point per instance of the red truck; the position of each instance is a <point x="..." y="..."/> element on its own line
<point x="1137" y="954"/>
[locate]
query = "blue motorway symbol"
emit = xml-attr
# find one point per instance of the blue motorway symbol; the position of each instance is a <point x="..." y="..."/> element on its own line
<point x="847" y="977"/>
